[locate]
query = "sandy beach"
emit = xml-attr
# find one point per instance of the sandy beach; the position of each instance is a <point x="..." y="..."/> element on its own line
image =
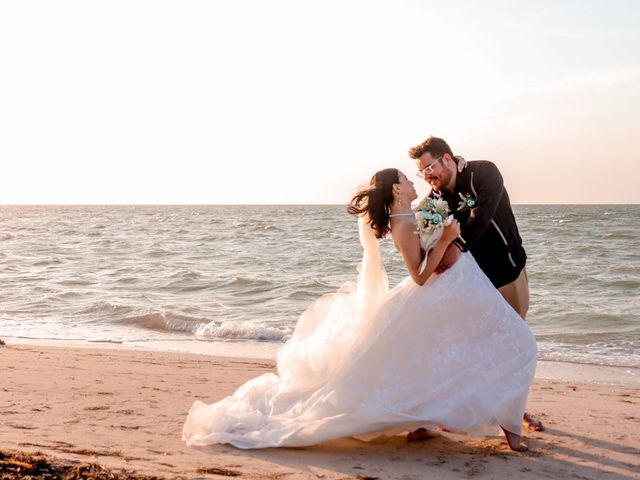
<point x="124" y="408"/>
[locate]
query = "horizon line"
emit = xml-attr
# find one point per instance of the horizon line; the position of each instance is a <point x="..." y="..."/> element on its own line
<point x="249" y="204"/>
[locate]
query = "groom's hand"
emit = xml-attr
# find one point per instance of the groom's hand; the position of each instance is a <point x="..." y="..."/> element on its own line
<point x="451" y="255"/>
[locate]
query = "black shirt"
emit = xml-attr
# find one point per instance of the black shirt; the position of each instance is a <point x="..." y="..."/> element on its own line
<point x="489" y="228"/>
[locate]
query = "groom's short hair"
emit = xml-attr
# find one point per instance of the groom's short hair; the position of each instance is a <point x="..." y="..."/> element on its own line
<point x="437" y="147"/>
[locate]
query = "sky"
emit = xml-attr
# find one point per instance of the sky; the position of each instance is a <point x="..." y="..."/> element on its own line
<point x="277" y="102"/>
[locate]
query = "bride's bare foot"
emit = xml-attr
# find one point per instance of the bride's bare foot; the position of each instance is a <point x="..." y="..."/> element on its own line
<point x="419" y="435"/>
<point x="532" y="423"/>
<point x="514" y="441"/>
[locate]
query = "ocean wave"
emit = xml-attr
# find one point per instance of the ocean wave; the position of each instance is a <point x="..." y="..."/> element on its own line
<point x="159" y="252"/>
<point x="248" y="282"/>
<point x="303" y="295"/>
<point x="70" y="294"/>
<point x="185" y="275"/>
<point x="589" y="358"/>
<point x="76" y="282"/>
<point x="177" y="287"/>
<point x="257" y="225"/>
<point x="105" y="340"/>
<point x="164" y="322"/>
<point x="127" y="280"/>
<point x="624" y="283"/>
<point x="236" y="330"/>
<point x="243" y="330"/>
<point x="621" y="235"/>
<point x="620" y="352"/>
<point x="48" y="261"/>
<point x="273" y="228"/>
<point x="210" y="237"/>
<point x="103" y="307"/>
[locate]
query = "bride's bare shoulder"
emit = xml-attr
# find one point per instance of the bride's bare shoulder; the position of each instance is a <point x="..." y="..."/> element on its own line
<point x="403" y="231"/>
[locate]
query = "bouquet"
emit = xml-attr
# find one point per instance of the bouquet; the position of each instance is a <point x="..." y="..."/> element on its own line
<point x="434" y="214"/>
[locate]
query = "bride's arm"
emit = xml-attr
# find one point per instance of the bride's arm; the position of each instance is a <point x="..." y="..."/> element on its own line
<point x="408" y="243"/>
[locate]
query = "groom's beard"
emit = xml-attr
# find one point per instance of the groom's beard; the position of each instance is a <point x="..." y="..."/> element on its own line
<point x="438" y="183"/>
<point x="435" y="185"/>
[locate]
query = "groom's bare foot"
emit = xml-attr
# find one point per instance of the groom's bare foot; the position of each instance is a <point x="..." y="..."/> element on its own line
<point x="419" y="435"/>
<point x="532" y="423"/>
<point x="514" y="442"/>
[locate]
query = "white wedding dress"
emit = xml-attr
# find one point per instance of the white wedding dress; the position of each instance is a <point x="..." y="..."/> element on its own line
<point x="450" y="353"/>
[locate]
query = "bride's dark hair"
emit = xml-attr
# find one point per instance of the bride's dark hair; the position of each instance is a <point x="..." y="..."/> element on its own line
<point x="375" y="200"/>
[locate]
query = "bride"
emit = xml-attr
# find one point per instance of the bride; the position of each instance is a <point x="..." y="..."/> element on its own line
<point x="438" y="350"/>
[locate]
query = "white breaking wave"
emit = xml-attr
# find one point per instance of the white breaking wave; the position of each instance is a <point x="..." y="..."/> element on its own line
<point x="244" y="331"/>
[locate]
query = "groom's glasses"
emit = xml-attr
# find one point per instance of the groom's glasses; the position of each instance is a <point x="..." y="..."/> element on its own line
<point x="428" y="170"/>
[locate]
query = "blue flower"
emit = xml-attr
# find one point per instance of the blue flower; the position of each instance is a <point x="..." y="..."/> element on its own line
<point x="467" y="202"/>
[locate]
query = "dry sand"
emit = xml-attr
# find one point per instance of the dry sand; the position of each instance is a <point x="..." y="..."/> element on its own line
<point x="124" y="408"/>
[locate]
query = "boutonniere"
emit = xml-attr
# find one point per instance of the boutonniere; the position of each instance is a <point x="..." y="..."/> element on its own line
<point x="467" y="202"/>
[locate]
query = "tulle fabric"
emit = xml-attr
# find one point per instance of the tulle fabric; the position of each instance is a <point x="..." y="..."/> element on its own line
<point x="365" y="359"/>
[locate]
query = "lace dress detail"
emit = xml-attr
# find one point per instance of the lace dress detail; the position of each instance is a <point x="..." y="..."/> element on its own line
<point x="365" y="359"/>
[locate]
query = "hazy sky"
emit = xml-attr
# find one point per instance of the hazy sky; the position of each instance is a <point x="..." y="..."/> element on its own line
<point x="300" y="102"/>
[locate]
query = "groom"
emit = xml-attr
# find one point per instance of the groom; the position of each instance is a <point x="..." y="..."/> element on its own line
<point x="479" y="201"/>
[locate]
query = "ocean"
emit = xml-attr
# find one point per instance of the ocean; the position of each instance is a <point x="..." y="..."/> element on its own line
<point x="233" y="280"/>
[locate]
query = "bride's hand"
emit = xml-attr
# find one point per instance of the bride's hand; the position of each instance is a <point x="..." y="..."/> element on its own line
<point x="451" y="231"/>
